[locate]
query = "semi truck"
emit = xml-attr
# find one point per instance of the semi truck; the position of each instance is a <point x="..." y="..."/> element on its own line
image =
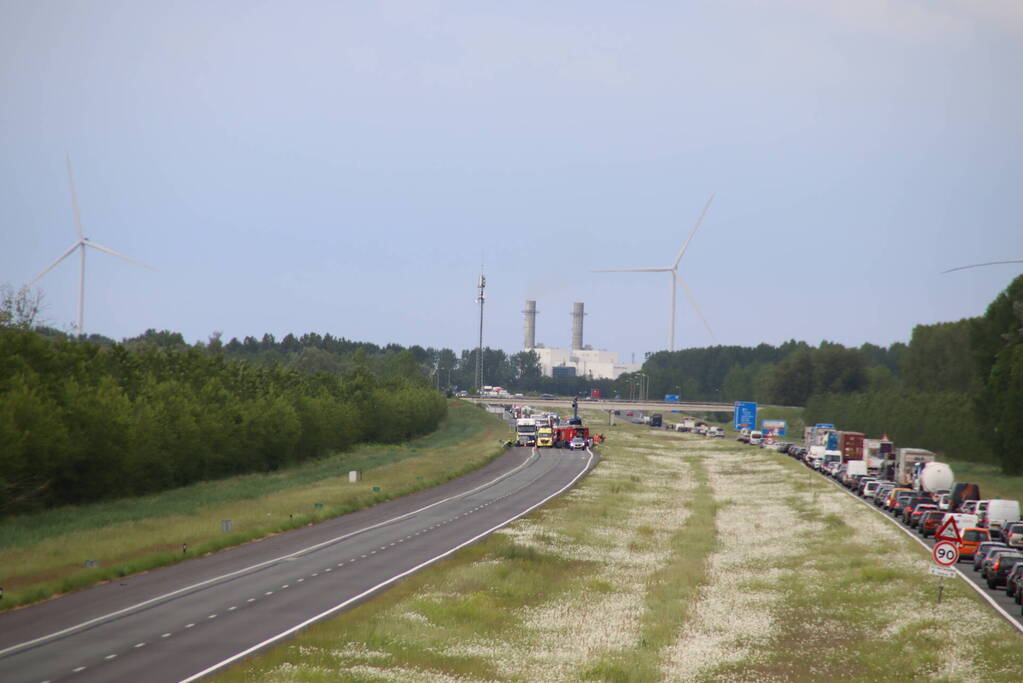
<point x="905" y="459"/>
<point x="932" y="477"/>
<point x="851" y="445"/>
<point x="525" y="431"/>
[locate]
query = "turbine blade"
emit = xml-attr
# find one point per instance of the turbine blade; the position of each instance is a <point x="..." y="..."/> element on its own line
<point x="978" y="265"/>
<point x="74" y="199"/>
<point x="634" y="270"/>
<point x="695" y="228"/>
<point x="110" y="251"/>
<point x="54" y="264"/>
<point x="696" y="306"/>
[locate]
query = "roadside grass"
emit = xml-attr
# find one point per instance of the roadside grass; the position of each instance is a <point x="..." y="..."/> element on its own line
<point x="670" y="590"/>
<point x="864" y="607"/>
<point x="44" y="554"/>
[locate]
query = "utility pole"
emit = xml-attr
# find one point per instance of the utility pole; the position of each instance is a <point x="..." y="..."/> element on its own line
<point x="479" y="350"/>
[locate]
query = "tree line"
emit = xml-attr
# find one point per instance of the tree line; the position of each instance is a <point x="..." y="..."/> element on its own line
<point x="956" y="387"/>
<point x="82" y="421"/>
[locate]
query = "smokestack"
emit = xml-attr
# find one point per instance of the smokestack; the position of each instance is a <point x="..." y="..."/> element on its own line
<point x="577" y="326"/>
<point x="530" y="339"/>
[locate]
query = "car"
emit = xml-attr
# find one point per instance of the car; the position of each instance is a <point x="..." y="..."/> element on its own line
<point x="1013" y="535"/>
<point x="1012" y="582"/>
<point x="1001" y="565"/>
<point x="893" y="496"/>
<point x="982" y="550"/>
<point x="913" y="514"/>
<point x="930" y="521"/>
<point x="970" y="541"/>
<point x="577" y="443"/>
<point x="991" y="557"/>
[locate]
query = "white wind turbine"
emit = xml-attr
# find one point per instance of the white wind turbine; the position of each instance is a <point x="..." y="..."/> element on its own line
<point x="675" y="278"/>
<point x="81" y="244"/>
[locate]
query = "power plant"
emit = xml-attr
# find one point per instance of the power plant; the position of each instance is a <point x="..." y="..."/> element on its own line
<point x="580" y="360"/>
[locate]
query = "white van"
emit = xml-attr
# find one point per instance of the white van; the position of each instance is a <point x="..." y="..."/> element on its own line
<point x="1000" y="512"/>
<point x="756" y="438"/>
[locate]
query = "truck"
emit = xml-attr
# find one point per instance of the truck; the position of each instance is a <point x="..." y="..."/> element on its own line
<point x="905" y="459"/>
<point x="875" y="452"/>
<point x="851" y="445"/>
<point x="932" y="477"/>
<point x="656" y="420"/>
<point x="564" y="434"/>
<point x="525" y="431"/>
<point x="686" y="425"/>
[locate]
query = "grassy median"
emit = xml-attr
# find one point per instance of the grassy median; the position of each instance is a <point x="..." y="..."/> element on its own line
<point x="46" y="553"/>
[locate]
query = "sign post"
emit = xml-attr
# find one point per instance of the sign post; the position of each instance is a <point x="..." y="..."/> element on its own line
<point x="946" y="554"/>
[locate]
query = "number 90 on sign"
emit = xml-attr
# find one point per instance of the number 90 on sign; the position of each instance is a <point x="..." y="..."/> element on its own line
<point x="946" y="553"/>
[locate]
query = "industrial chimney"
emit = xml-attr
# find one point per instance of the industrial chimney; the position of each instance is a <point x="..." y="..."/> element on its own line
<point x="577" y="326"/>
<point x="530" y="340"/>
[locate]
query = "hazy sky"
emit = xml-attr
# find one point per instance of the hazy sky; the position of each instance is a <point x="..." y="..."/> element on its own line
<point x="343" y="167"/>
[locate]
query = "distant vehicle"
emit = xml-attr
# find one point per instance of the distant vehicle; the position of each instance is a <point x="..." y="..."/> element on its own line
<point x="1013" y="535"/>
<point x="972" y="539"/>
<point x="546" y="395"/>
<point x="577" y="443"/>
<point x="1012" y="583"/>
<point x="716" y="432"/>
<point x="756" y="437"/>
<point x="655" y="420"/>
<point x="963" y="492"/>
<point x="544" y="437"/>
<point x="932" y="477"/>
<point x="525" y="431"/>
<point x="999" y="513"/>
<point x="998" y="570"/>
<point x="982" y="550"/>
<point x="930" y="521"/>
<point x="905" y="459"/>
<point x="987" y="567"/>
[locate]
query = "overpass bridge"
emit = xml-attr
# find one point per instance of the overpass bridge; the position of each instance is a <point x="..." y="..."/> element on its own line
<point x="609" y="404"/>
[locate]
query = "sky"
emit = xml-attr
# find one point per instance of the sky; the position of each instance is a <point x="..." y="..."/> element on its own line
<point x="348" y="167"/>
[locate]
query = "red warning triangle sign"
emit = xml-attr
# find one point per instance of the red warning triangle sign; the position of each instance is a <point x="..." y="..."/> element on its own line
<point x="949" y="531"/>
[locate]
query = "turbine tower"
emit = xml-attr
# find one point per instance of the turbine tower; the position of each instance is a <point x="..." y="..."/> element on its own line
<point x="81" y="244"/>
<point x="675" y="280"/>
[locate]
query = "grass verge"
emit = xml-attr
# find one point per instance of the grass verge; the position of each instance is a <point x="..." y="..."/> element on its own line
<point x="45" y="554"/>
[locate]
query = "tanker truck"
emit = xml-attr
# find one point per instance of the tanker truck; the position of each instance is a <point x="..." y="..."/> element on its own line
<point x="931" y="477"/>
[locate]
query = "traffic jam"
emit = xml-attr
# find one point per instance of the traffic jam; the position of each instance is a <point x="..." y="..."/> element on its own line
<point x="981" y="537"/>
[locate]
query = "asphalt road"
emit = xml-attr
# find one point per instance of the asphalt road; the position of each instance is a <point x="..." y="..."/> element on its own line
<point x="996" y="598"/>
<point x="184" y="622"/>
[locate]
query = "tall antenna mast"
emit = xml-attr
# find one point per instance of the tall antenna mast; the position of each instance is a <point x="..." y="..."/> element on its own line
<point x="480" y="299"/>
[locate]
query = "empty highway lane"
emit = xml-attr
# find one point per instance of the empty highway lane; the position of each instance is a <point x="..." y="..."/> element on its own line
<point x="181" y="623"/>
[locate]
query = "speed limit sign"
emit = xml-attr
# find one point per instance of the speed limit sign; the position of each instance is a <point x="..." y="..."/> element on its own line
<point x="946" y="553"/>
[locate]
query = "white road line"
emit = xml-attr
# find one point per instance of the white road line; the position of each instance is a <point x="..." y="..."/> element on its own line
<point x="981" y="592"/>
<point x="251" y="600"/>
<point x="232" y="608"/>
<point x="259" y="565"/>
<point x="212" y="616"/>
<point x="109" y="657"/>
<point x="189" y="625"/>
<point x="166" y="635"/>
<point x="76" y="670"/>
<point x="341" y="605"/>
<point x="138" y="645"/>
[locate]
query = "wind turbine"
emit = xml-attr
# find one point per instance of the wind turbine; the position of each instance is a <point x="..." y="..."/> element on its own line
<point x="675" y="279"/>
<point x="81" y="244"/>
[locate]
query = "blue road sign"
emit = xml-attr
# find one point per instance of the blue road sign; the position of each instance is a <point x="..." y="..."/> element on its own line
<point x="745" y="415"/>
